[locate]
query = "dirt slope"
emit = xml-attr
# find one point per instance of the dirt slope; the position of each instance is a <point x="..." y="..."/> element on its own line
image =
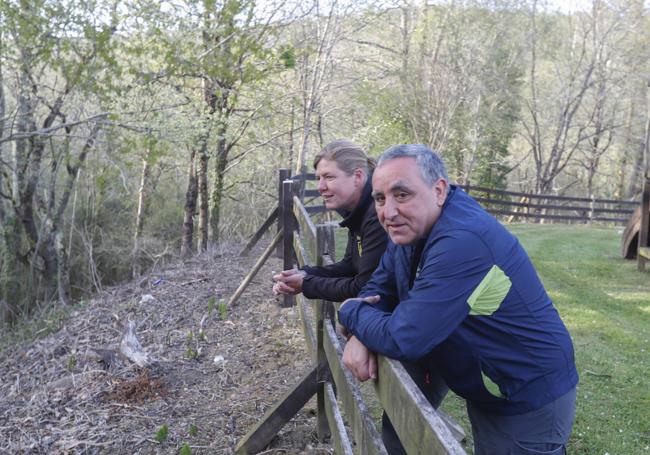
<point x="70" y="393"/>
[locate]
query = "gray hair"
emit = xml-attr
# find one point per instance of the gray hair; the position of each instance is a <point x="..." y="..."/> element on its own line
<point x="429" y="162"/>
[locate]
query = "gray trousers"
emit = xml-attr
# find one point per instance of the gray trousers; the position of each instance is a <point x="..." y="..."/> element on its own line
<point x="543" y="431"/>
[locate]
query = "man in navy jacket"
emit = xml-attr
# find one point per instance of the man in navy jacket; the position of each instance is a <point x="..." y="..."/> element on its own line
<point x="456" y="293"/>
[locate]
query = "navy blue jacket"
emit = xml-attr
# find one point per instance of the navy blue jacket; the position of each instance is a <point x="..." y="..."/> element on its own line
<point x="477" y="312"/>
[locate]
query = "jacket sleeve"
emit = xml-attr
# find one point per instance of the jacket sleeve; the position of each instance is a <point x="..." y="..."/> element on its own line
<point x="346" y="285"/>
<point x="435" y="306"/>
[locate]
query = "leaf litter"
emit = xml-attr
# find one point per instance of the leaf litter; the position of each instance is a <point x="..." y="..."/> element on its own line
<point x="73" y="392"/>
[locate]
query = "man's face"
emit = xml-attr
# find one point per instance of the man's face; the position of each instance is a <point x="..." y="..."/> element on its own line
<point x="406" y="206"/>
<point x="338" y="189"/>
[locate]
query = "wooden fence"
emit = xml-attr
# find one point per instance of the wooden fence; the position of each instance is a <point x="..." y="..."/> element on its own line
<point x="511" y="206"/>
<point x="342" y="413"/>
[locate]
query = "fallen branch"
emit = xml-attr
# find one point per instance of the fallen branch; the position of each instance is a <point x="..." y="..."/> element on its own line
<point x="131" y="349"/>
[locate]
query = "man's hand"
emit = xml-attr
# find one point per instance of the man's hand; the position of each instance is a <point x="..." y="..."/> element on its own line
<point x="288" y="282"/>
<point x="370" y="299"/>
<point x="359" y="360"/>
<point x="341" y="328"/>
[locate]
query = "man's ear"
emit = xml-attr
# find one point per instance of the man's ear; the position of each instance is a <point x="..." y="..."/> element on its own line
<point x="440" y="187"/>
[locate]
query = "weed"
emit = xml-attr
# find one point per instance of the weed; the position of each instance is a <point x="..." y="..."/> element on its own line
<point x="185" y="449"/>
<point x="193" y="431"/>
<point x="191" y="353"/>
<point x="72" y="362"/>
<point x="223" y="310"/>
<point x="162" y="433"/>
<point x="211" y="303"/>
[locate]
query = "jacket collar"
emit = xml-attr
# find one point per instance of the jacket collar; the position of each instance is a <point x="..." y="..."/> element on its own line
<point x="434" y="230"/>
<point x="354" y="218"/>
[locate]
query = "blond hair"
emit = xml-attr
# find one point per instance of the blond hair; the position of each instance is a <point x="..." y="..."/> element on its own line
<point x="347" y="155"/>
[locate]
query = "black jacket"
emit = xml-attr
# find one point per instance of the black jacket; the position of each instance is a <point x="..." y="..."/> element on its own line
<point x="366" y="243"/>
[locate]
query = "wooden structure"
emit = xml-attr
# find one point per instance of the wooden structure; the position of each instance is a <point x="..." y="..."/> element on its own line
<point x="342" y="413"/>
<point x="643" y="252"/>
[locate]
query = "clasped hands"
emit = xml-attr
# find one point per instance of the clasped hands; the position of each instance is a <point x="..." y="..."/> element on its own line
<point x="288" y="282"/>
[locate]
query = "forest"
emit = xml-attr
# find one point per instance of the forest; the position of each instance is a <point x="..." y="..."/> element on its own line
<point x="134" y="132"/>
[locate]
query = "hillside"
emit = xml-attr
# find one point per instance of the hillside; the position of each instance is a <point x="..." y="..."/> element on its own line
<point x="70" y="392"/>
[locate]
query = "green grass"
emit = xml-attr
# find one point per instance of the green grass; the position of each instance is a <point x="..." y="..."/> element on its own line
<point x="605" y="304"/>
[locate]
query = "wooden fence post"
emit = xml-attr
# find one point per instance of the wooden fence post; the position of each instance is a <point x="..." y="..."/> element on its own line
<point x="283" y="174"/>
<point x="324" y="315"/>
<point x="287" y="236"/>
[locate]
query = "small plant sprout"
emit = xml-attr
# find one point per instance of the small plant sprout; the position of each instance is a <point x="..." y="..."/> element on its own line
<point x="72" y="362"/>
<point x="193" y="430"/>
<point x="162" y="433"/>
<point x="223" y="310"/>
<point x="191" y="353"/>
<point x="185" y="449"/>
<point x="211" y="302"/>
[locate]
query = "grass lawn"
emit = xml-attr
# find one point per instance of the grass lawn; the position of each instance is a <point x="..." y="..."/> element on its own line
<point x="605" y="303"/>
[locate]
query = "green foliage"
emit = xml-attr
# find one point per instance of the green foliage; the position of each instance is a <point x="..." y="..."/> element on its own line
<point x="185" y="449"/>
<point x="161" y="434"/>
<point x="288" y="58"/>
<point x="193" y="430"/>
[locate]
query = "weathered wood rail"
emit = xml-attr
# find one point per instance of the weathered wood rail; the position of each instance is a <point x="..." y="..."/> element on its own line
<point x="342" y="413"/>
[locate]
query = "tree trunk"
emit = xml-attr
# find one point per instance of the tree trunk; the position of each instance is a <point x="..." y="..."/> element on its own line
<point x="63" y="277"/>
<point x="140" y="216"/>
<point x="203" y="201"/>
<point x="11" y="269"/>
<point x="191" y="196"/>
<point x="217" y="190"/>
